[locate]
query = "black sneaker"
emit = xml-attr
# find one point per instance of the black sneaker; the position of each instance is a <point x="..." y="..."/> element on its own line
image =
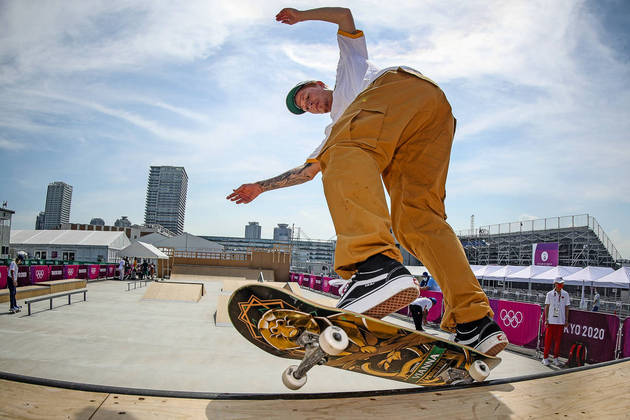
<point x="380" y="287"/>
<point x="484" y="335"/>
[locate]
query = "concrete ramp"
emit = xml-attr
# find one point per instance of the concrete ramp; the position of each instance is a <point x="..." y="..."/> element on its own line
<point x="182" y="292"/>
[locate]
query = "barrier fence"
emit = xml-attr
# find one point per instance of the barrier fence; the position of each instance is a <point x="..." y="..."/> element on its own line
<point x="33" y="274"/>
<point x="605" y="335"/>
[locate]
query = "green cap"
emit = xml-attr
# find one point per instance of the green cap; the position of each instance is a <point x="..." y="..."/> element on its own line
<point x="291" y="97"/>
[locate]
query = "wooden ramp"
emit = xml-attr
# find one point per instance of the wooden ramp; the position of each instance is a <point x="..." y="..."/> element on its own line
<point x="596" y="392"/>
<point x="183" y="292"/>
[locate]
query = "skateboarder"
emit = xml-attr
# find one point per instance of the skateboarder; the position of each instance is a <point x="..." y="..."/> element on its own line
<point x="384" y="123"/>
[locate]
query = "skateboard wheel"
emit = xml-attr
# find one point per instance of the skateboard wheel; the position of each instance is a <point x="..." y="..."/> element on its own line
<point x="479" y="370"/>
<point x="291" y="381"/>
<point x="333" y="340"/>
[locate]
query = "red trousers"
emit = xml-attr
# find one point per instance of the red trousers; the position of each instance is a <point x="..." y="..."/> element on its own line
<point x="553" y="334"/>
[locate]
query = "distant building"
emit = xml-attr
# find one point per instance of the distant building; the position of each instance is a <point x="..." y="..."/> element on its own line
<point x="70" y="245"/>
<point x="97" y="221"/>
<point x="5" y="231"/>
<point x="307" y="256"/>
<point x="252" y="230"/>
<point x="282" y="232"/>
<point x="166" y="197"/>
<point x="122" y="222"/>
<point x="58" y="202"/>
<point x="39" y="221"/>
<point x="133" y="232"/>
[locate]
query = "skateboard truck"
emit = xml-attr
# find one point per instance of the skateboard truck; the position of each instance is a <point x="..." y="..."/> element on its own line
<point x="332" y="341"/>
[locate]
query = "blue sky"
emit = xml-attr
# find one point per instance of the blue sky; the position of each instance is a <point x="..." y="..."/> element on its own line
<point x="94" y="92"/>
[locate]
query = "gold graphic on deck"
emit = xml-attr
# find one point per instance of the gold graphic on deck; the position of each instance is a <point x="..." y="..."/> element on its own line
<point x="256" y="304"/>
<point x="375" y="348"/>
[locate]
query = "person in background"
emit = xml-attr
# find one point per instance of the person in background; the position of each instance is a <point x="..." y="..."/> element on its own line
<point x="145" y="269"/>
<point x="596" y="301"/>
<point x="121" y="269"/>
<point x="419" y="309"/>
<point x="429" y="283"/>
<point x="12" y="282"/>
<point x="556" y="317"/>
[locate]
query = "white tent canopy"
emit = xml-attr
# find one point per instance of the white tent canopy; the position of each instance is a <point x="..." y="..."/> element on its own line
<point x="586" y="275"/>
<point x="619" y="278"/>
<point x="550" y="275"/>
<point x="503" y="272"/>
<point x="485" y="270"/>
<point x="142" y="250"/>
<point x="525" y="275"/>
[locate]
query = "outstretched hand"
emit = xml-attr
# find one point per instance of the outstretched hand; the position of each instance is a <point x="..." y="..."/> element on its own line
<point x="245" y="193"/>
<point x="289" y="16"/>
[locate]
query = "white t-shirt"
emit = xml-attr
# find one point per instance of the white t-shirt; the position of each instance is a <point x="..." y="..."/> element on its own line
<point x="121" y="264"/>
<point x="13" y="271"/>
<point x="354" y="74"/>
<point x="557" y="306"/>
<point x="423" y="302"/>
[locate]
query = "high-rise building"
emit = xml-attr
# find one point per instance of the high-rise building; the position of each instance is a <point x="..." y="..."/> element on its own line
<point x="58" y="201"/>
<point x="282" y="232"/>
<point x="166" y="197"/>
<point x="97" y="221"/>
<point x="39" y="221"/>
<point x="252" y="230"/>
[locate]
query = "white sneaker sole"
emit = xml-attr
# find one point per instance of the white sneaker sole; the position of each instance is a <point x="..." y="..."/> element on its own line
<point x="400" y="293"/>
<point x="493" y="344"/>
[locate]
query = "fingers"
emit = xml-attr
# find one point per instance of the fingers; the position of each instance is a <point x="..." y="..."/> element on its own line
<point x="287" y="16"/>
<point x="239" y="197"/>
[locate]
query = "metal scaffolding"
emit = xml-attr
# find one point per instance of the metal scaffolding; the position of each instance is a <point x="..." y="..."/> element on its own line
<point x="581" y="242"/>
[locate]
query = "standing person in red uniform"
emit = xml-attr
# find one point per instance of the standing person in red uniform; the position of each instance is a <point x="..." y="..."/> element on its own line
<point x="385" y="122"/>
<point x="556" y="317"/>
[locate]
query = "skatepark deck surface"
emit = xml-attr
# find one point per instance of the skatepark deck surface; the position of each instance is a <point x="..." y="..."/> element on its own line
<point x="118" y="339"/>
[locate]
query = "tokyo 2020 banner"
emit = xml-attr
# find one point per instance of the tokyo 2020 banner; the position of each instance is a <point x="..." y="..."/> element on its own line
<point x="598" y="331"/>
<point x="4" y="273"/>
<point x="545" y="254"/>
<point x="519" y="321"/>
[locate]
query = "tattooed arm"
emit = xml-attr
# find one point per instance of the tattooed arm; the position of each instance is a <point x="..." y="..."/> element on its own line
<point x="247" y="192"/>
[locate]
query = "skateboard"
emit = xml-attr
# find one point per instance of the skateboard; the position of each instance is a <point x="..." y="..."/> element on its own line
<point x="292" y="327"/>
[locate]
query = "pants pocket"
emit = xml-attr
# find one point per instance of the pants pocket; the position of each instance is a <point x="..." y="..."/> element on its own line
<point x="366" y="125"/>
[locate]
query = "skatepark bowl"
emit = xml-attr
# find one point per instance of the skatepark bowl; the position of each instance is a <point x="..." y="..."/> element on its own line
<point x="122" y="354"/>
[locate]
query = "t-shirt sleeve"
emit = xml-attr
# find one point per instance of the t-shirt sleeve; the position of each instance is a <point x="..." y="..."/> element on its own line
<point x="568" y="299"/>
<point x="547" y="300"/>
<point x="353" y="63"/>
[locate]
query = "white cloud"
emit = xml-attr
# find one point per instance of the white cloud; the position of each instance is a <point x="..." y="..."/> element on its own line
<point x="538" y="91"/>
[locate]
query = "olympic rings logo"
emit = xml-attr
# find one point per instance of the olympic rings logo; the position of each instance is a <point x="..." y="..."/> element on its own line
<point x="511" y="318"/>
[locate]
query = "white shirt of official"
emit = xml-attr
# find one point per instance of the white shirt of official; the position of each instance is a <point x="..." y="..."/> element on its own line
<point x="354" y="74"/>
<point x="423" y="302"/>
<point x="557" y="306"/>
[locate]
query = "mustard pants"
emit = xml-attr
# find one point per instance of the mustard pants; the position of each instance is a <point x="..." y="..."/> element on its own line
<point x="398" y="132"/>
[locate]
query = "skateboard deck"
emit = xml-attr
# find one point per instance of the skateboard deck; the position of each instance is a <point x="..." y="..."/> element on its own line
<point x="274" y="320"/>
